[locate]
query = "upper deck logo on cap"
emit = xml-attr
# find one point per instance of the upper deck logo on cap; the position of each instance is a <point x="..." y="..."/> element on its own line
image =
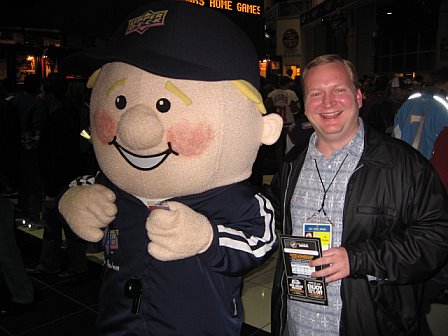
<point x="177" y="39"/>
<point x="148" y="19"/>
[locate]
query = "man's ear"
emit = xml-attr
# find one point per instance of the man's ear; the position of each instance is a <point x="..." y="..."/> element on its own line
<point x="272" y="128"/>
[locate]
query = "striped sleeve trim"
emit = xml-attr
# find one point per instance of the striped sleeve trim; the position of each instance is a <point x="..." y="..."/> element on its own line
<point x="258" y="246"/>
<point x="82" y="180"/>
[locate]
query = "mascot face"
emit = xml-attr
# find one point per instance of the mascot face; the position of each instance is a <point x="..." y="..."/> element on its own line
<point x="158" y="137"/>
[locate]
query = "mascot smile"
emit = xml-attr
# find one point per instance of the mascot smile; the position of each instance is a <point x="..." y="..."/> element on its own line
<point x="177" y="121"/>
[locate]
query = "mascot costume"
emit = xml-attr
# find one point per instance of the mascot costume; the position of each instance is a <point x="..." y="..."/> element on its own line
<point x="176" y="123"/>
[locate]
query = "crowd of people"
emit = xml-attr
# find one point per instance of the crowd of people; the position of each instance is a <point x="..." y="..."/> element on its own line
<point x="340" y="166"/>
<point x="40" y="136"/>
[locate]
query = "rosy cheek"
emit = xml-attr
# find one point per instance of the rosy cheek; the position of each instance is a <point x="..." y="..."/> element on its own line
<point x="105" y="126"/>
<point x="190" y="140"/>
<point x="313" y="105"/>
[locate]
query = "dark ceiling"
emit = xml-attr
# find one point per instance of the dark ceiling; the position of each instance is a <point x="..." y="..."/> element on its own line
<point x="95" y="17"/>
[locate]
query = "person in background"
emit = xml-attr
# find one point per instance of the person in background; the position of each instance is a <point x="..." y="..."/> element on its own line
<point x="59" y="161"/>
<point x="32" y="114"/>
<point x="78" y="97"/>
<point x="382" y="111"/>
<point x="12" y="270"/>
<point x="419" y="122"/>
<point x="439" y="83"/>
<point x="423" y="116"/>
<point x="298" y="134"/>
<point x="9" y="142"/>
<point x="439" y="158"/>
<point x="284" y="102"/>
<point x="387" y="209"/>
<point x="373" y="91"/>
<point x="436" y="288"/>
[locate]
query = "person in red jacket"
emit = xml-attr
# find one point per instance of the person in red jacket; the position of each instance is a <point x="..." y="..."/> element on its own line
<point x="439" y="158"/>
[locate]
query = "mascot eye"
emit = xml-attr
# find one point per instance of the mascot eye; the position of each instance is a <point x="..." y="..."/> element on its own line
<point x="120" y="102"/>
<point x="163" y="105"/>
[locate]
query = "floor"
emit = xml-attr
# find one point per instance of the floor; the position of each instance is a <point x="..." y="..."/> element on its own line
<point x="69" y="307"/>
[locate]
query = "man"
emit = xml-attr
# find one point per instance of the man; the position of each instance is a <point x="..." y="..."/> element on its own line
<point x="284" y="102"/>
<point x="423" y="116"/>
<point x="59" y="155"/>
<point x="381" y="112"/>
<point x="32" y="115"/>
<point x="9" y="142"/>
<point x="387" y="212"/>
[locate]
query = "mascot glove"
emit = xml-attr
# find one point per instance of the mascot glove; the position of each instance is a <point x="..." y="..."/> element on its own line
<point x="177" y="233"/>
<point x="88" y="209"/>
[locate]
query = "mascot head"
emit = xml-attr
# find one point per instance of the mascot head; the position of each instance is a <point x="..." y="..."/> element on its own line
<point x="175" y="108"/>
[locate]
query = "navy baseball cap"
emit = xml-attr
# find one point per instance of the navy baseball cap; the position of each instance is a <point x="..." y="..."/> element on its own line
<point x="177" y="39"/>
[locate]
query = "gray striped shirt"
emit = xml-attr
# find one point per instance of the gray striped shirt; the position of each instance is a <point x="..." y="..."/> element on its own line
<point x="307" y="318"/>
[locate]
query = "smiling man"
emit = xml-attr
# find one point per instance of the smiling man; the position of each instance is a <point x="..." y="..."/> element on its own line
<point x="375" y="205"/>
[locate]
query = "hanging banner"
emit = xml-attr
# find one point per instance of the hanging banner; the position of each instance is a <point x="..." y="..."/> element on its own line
<point x="288" y="37"/>
<point x="253" y="7"/>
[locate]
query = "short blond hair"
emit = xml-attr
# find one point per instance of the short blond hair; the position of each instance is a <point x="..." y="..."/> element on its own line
<point x="332" y="58"/>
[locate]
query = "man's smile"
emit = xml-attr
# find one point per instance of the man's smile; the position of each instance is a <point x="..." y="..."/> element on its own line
<point x="331" y="115"/>
<point x="143" y="162"/>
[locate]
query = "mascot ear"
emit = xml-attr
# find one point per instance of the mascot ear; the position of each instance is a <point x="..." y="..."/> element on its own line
<point x="272" y="127"/>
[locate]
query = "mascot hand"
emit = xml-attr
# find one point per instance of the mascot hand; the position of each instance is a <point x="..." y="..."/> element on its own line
<point x="88" y="209"/>
<point x="177" y="233"/>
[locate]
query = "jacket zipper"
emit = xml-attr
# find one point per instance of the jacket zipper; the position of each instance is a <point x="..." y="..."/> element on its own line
<point x="283" y="305"/>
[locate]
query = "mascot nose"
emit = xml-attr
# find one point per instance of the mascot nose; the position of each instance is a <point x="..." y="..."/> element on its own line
<point x="140" y="128"/>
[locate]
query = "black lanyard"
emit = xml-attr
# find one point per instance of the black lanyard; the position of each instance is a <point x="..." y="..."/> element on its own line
<point x="322" y="182"/>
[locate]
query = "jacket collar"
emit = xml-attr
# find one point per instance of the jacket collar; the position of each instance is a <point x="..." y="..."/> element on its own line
<point x="376" y="151"/>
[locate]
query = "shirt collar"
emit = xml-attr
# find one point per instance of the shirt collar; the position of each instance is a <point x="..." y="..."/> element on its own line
<point x="354" y="148"/>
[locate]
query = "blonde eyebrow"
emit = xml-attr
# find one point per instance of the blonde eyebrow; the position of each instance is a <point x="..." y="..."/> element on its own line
<point x="118" y="83"/>
<point x="174" y="89"/>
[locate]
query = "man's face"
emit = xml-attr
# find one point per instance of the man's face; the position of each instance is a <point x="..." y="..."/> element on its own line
<point x="332" y="104"/>
<point x="157" y="137"/>
<point x="398" y="95"/>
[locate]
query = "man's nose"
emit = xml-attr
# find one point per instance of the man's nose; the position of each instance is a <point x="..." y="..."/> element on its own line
<point x="140" y="128"/>
<point x="328" y="99"/>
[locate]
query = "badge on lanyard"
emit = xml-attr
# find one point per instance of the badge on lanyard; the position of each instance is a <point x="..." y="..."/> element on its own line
<point x="319" y="226"/>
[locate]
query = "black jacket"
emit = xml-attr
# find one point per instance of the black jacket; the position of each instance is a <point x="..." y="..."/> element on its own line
<point x="395" y="229"/>
<point x="195" y="296"/>
<point x="59" y="150"/>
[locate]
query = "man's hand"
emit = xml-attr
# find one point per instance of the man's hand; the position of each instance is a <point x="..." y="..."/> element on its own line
<point x="177" y="233"/>
<point x="88" y="209"/>
<point x="336" y="262"/>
